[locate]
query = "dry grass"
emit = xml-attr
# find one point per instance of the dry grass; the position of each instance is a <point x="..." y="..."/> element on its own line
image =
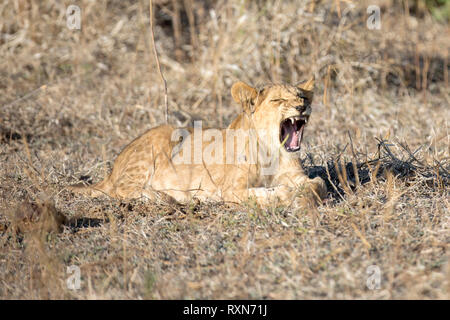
<point x="70" y="100"/>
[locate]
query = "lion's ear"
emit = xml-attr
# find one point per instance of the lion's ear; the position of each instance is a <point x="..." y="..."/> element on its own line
<point x="243" y="93"/>
<point x="307" y="85"/>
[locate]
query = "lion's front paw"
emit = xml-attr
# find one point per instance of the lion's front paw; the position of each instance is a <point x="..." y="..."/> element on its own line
<point x="318" y="188"/>
<point x="313" y="192"/>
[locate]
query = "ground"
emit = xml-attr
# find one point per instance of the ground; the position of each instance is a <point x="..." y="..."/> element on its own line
<point x="70" y="100"/>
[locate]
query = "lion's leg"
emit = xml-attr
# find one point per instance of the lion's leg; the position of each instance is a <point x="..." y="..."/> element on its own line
<point x="294" y="178"/>
<point x="300" y="194"/>
<point x="129" y="185"/>
<point x="312" y="191"/>
<point x="317" y="188"/>
<point x="136" y="186"/>
<point x="158" y="196"/>
<point x="264" y="197"/>
<point x="303" y="187"/>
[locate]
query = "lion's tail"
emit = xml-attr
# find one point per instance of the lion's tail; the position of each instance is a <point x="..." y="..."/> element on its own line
<point x="102" y="188"/>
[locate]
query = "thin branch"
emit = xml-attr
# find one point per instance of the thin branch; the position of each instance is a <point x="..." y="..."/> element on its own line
<point x="355" y="169"/>
<point x="166" y="111"/>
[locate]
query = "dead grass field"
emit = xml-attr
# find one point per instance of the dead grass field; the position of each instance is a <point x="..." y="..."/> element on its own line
<point x="70" y="100"/>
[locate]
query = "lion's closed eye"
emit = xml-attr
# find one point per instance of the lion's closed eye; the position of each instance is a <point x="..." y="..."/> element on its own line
<point x="278" y="100"/>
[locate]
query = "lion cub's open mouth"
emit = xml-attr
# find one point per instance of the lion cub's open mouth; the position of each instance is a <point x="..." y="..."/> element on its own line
<point x="291" y="133"/>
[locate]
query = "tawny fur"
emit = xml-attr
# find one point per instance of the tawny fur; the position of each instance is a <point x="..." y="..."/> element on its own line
<point x="146" y="167"/>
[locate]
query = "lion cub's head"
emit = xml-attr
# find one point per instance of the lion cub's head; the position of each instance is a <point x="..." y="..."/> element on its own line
<point x="282" y="110"/>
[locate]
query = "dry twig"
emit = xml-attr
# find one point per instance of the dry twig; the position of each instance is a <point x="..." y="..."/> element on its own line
<point x="166" y="110"/>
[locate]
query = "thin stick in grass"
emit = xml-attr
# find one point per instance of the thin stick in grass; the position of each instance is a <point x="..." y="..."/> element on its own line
<point x="355" y="169"/>
<point x="166" y="111"/>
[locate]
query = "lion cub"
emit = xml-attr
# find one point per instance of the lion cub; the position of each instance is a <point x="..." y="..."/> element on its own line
<point x="256" y="156"/>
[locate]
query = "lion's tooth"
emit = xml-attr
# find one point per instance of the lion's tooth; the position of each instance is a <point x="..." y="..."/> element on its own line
<point x="292" y="120"/>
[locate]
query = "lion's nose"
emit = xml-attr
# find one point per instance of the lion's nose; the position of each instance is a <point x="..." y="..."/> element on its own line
<point x="300" y="108"/>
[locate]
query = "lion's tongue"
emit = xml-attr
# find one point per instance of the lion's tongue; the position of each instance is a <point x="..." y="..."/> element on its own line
<point x="292" y="141"/>
<point x="293" y="136"/>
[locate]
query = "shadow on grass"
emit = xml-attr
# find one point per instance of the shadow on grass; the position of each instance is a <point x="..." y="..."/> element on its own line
<point x="343" y="177"/>
<point x="42" y="216"/>
<point x="80" y="223"/>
